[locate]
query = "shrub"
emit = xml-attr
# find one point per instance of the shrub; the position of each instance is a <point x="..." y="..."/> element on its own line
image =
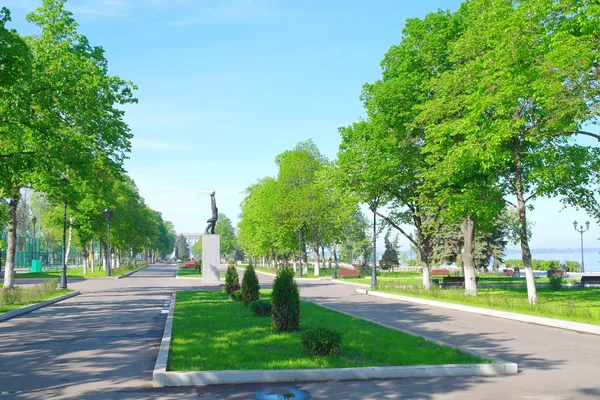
<point x="236" y="296"/>
<point x="12" y="296"/>
<point x="232" y="280"/>
<point x="286" y="301"/>
<point x="198" y="265"/>
<point x="261" y="308"/>
<point x="321" y="341"/>
<point x="250" y="286"/>
<point x="555" y="282"/>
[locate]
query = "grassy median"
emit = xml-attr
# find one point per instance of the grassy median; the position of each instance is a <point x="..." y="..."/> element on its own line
<point x="11" y="299"/>
<point x="211" y="332"/>
<point x="578" y="305"/>
<point x="78" y="272"/>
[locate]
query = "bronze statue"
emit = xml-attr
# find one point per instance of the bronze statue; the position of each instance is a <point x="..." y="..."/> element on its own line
<point x="215" y="214"/>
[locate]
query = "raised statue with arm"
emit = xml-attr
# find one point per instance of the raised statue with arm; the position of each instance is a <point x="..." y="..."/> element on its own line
<point x="215" y="214"/>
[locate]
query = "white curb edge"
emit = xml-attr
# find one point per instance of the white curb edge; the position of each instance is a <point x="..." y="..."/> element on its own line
<point x="132" y="272"/>
<point x="161" y="378"/>
<point x="553" y="323"/>
<point x="27" y="309"/>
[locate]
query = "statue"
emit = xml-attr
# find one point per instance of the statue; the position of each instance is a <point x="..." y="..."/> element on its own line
<point x="215" y="214"/>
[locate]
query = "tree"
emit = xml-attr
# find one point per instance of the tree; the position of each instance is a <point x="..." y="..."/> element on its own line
<point x="224" y="227"/>
<point x="389" y="259"/>
<point x="68" y="123"/>
<point x="518" y="100"/>
<point x="182" y="249"/>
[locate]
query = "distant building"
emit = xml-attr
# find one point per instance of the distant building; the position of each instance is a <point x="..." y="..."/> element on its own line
<point x="192" y="238"/>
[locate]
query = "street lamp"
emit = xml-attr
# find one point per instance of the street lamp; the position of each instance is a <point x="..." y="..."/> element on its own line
<point x="581" y="230"/>
<point x="63" y="276"/>
<point x="108" y="213"/>
<point x="34" y="220"/>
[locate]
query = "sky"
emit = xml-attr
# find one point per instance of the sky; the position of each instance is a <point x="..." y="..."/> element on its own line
<point x="226" y="85"/>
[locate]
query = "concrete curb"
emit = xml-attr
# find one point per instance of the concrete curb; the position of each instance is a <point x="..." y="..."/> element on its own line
<point x="161" y="378"/>
<point x="132" y="272"/>
<point x="532" y="319"/>
<point x="27" y="309"/>
<point x="350" y="283"/>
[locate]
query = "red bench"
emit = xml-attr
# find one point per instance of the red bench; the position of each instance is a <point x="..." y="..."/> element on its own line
<point x="189" y="264"/>
<point x="348" y="273"/>
<point x="440" y="272"/>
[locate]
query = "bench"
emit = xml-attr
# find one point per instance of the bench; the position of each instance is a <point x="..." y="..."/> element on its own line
<point x="509" y="272"/>
<point x="189" y="264"/>
<point x="589" y="279"/>
<point x="556" y="273"/>
<point x="440" y="272"/>
<point x="348" y="273"/>
<point x="458" y="281"/>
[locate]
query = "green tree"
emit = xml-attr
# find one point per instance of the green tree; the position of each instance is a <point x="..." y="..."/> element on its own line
<point x="389" y="259"/>
<point x="224" y="227"/>
<point x="182" y="249"/>
<point x="250" y="286"/>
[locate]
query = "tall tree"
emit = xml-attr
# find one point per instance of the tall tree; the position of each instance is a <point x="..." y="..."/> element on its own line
<point x="224" y="227"/>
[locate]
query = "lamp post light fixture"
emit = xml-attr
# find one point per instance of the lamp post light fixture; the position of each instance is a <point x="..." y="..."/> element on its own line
<point x="581" y="230"/>
<point x="108" y="213"/>
<point x="34" y="220"/>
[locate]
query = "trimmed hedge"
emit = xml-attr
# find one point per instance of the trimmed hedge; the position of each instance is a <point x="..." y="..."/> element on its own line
<point x="544" y="265"/>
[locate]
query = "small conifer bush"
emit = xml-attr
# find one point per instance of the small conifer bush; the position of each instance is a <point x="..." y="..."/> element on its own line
<point x="250" y="286"/>
<point x="286" y="302"/>
<point x="321" y="341"/>
<point x="236" y="296"/>
<point x="261" y="308"/>
<point x="232" y="280"/>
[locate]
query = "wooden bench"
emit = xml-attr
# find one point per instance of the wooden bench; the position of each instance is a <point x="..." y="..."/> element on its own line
<point x="440" y="272"/>
<point x="189" y="264"/>
<point x="458" y="281"/>
<point x="589" y="279"/>
<point x="348" y="273"/>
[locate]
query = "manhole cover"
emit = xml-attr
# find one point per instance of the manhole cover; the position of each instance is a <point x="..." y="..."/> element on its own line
<point x="9" y="392"/>
<point x="282" y="394"/>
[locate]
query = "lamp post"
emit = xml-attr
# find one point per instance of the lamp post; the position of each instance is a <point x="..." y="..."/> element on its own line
<point x="373" y="272"/>
<point x="581" y="230"/>
<point x="63" y="276"/>
<point x="34" y="220"/>
<point x="108" y="213"/>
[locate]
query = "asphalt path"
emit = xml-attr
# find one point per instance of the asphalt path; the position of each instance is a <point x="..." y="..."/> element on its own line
<point x="103" y="345"/>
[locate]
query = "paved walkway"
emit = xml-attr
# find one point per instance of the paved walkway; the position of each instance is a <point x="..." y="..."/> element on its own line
<point x="103" y="345"/>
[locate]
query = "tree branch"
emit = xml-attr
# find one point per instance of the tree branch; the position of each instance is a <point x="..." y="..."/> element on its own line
<point x="389" y="221"/>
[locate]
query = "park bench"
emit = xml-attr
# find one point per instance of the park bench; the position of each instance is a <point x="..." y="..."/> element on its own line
<point x="595" y="280"/>
<point x="189" y="264"/>
<point x="348" y="273"/>
<point x="556" y="273"/>
<point x="458" y="281"/>
<point x="438" y="272"/>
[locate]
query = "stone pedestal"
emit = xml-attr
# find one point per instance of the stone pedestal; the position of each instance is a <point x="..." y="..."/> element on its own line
<point x="211" y="258"/>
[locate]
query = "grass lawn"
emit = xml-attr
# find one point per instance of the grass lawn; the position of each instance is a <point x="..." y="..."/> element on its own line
<point x="188" y="272"/>
<point x="211" y="332"/>
<point x="27" y="300"/>
<point x="579" y="305"/>
<point x="78" y="272"/>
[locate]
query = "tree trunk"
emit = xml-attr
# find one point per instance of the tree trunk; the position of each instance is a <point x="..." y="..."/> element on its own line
<point x="11" y="245"/>
<point x="85" y="259"/>
<point x="335" y="257"/>
<point x="92" y="261"/>
<point x="468" y="230"/>
<point x="317" y="260"/>
<point x="525" y="251"/>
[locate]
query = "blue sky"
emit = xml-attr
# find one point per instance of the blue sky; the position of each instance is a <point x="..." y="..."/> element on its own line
<point x="226" y="85"/>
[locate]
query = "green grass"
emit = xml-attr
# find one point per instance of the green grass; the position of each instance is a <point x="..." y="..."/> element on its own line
<point x="78" y="272"/>
<point x="579" y="305"/>
<point x="416" y="279"/>
<point x="188" y="272"/>
<point x="27" y="300"/>
<point x="211" y="332"/>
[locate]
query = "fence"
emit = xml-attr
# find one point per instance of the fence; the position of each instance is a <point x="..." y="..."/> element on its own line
<point x="48" y="251"/>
